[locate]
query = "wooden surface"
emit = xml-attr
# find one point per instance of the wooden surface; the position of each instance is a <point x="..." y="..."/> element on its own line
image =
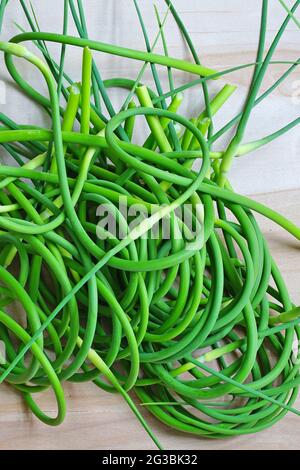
<point x="225" y="34"/>
<point x="98" y="420"/>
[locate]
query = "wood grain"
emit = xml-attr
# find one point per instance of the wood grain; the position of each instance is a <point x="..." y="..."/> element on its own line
<point x="225" y="33"/>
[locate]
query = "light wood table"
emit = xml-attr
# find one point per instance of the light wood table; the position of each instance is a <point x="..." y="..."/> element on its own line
<point x="98" y="420"/>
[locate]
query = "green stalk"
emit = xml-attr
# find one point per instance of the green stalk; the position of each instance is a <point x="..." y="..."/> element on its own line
<point x="117" y="50"/>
